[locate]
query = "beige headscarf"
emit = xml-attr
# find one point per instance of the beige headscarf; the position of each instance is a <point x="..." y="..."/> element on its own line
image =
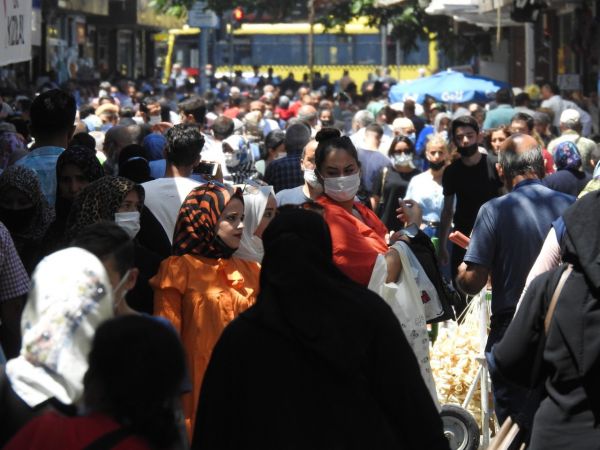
<point x="70" y="296"/>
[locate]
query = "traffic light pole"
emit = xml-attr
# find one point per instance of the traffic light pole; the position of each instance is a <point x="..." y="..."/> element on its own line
<point x="204" y="82"/>
<point x="231" y="52"/>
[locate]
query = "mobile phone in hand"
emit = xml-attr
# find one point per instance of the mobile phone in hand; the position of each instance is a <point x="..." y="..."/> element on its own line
<point x="208" y="169"/>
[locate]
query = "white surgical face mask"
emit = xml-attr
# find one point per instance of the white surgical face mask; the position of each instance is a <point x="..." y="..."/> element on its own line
<point x="403" y="160"/>
<point x="129" y="221"/>
<point x="232" y="159"/>
<point x="342" y="189"/>
<point x="311" y="178"/>
<point x="154" y="120"/>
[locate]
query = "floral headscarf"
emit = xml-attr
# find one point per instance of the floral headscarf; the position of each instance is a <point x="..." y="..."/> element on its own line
<point x="566" y="156"/>
<point x="98" y="201"/>
<point x="26" y="181"/>
<point x="12" y="148"/>
<point x="70" y="296"/>
<point x="195" y="230"/>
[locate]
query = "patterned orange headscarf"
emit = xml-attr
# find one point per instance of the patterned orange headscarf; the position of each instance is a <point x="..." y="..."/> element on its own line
<point x="195" y="231"/>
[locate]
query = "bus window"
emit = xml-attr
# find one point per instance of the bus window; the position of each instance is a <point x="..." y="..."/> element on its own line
<point x="242" y="53"/>
<point x="333" y="49"/>
<point x="279" y="50"/>
<point x="420" y="56"/>
<point x="367" y="49"/>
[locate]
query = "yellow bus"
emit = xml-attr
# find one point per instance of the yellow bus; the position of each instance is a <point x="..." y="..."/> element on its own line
<point x="284" y="47"/>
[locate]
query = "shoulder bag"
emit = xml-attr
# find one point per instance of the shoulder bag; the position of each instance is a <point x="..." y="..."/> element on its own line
<point x="507" y="437"/>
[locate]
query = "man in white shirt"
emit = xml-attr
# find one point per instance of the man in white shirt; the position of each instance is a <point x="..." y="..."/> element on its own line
<point x="164" y="196"/>
<point x="552" y="99"/>
<point x="361" y="120"/>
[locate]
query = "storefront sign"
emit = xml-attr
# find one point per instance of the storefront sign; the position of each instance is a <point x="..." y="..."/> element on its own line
<point x="199" y="17"/>
<point x="569" y="82"/>
<point x="85" y="6"/>
<point x="15" y="31"/>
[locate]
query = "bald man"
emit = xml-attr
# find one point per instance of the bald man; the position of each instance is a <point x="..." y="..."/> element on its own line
<point x="117" y="138"/>
<point x="507" y="237"/>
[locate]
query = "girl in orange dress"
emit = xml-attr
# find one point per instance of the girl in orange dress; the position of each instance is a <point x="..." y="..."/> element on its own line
<point x="202" y="287"/>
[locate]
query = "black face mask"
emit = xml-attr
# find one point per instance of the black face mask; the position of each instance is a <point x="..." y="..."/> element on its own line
<point x="16" y="219"/>
<point x="469" y="150"/>
<point x="437" y="165"/>
<point x="327" y="123"/>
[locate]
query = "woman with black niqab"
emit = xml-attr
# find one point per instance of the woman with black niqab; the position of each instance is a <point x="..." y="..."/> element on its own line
<point x="319" y="362"/>
<point x="569" y="413"/>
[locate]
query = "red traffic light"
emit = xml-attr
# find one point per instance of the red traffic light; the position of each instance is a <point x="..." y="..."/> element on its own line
<point x="238" y="14"/>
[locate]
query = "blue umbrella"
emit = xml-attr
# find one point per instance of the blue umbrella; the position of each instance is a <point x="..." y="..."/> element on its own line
<point x="448" y="87"/>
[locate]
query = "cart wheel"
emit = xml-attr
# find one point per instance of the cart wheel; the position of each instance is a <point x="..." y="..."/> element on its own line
<point x="460" y="428"/>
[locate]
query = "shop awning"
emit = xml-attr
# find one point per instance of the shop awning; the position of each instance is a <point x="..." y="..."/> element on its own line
<point x="386" y="3"/>
<point x="451" y="7"/>
<point x="482" y="13"/>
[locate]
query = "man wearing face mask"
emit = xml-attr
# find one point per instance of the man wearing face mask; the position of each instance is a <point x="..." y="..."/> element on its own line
<point x="286" y="173"/>
<point x="470" y="181"/>
<point x="311" y="188"/>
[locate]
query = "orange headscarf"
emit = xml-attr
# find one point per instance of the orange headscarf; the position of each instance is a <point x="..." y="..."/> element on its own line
<point x="195" y="230"/>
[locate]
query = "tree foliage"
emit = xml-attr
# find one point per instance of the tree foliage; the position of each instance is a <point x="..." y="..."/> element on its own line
<point x="407" y="20"/>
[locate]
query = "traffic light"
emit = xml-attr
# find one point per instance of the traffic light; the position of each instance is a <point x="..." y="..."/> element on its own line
<point x="237" y="17"/>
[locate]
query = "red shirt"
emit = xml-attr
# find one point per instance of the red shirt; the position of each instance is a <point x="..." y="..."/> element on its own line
<point x="55" y="432"/>
<point x="232" y="113"/>
<point x="294" y="107"/>
<point x="356" y="244"/>
<point x="284" y="113"/>
<point x="548" y="161"/>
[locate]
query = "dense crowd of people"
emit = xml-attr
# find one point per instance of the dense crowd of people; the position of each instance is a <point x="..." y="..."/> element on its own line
<point x="185" y="270"/>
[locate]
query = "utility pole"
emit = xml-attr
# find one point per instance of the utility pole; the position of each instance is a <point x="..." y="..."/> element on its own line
<point x="529" y="53"/>
<point x="311" y="41"/>
<point x="383" y="44"/>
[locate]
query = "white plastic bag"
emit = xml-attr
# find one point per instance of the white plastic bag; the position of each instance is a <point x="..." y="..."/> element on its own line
<point x="427" y="291"/>
<point x="405" y="300"/>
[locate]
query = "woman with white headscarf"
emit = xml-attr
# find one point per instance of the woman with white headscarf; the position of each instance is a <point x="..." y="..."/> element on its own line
<point x="259" y="209"/>
<point x="70" y="297"/>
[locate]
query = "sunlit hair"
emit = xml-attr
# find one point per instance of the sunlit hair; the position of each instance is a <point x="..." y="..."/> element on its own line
<point x="437" y="140"/>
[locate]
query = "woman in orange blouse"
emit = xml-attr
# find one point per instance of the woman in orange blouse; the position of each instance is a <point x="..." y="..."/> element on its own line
<point x="357" y="233"/>
<point x="203" y="288"/>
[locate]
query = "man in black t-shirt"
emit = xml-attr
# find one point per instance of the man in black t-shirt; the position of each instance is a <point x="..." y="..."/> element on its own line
<point x="472" y="180"/>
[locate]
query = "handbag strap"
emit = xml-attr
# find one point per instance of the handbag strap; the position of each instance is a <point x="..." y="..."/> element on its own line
<point x="109" y="440"/>
<point x="555" y="295"/>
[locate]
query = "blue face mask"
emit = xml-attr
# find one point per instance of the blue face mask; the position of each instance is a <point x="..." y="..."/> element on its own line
<point x="412" y="137"/>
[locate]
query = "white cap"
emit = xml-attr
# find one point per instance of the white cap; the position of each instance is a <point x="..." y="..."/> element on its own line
<point x="570" y="116"/>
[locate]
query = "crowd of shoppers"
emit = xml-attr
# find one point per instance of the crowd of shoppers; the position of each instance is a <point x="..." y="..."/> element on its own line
<point x="234" y="235"/>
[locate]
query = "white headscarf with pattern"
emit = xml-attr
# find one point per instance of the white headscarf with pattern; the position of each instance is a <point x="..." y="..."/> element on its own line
<point x="70" y="296"/>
